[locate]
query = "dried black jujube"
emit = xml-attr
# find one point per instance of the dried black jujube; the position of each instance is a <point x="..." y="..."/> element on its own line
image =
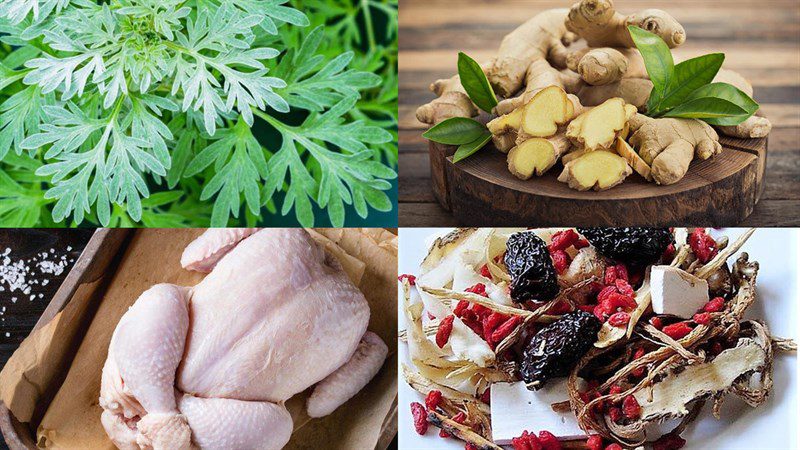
<point x="533" y="276"/>
<point x="637" y="246"/>
<point x="556" y="348"/>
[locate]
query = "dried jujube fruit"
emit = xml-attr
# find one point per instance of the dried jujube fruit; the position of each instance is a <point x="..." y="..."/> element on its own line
<point x="636" y="246"/>
<point x="533" y="276"/>
<point x="556" y="348"/>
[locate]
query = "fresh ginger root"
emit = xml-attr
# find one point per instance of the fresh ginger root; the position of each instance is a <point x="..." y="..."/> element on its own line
<point x="598" y="170"/>
<point x="601" y="25"/>
<point x="542" y="38"/>
<point x="536" y="155"/>
<point x="598" y="127"/>
<point x="669" y="145"/>
<point x="540" y="117"/>
<point x="634" y="160"/>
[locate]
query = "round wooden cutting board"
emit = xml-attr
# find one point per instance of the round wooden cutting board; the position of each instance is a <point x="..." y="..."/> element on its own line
<point x="480" y="191"/>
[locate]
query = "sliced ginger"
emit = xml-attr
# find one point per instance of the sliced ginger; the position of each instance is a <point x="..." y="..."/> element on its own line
<point x="542" y="115"/>
<point x="598" y="127"/>
<point x="634" y="160"/>
<point x="536" y="155"/>
<point x="598" y="170"/>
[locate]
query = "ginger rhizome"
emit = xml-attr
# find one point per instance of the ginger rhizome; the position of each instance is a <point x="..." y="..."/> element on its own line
<point x="570" y="85"/>
<point x="598" y="170"/>
<point x="668" y="145"/>
<point x="586" y="50"/>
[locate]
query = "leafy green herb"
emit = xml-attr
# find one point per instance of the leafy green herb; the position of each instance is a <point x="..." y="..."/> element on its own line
<point x="145" y="112"/>
<point x="686" y="90"/>
<point x="465" y="150"/>
<point x="475" y="83"/>
<point x="455" y="131"/>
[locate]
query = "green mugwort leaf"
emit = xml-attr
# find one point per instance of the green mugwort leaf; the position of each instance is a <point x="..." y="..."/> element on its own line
<point x="455" y="131"/>
<point x="705" y="108"/>
<point x="657" y="60"/>
<point x="475" y="83"/>
<point x="689" y="76"/>
<point x="728" y="92"/>
<point x="466" y="150"/>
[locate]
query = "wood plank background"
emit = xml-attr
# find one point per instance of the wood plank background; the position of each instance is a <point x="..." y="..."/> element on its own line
<point x="760" y="39"/>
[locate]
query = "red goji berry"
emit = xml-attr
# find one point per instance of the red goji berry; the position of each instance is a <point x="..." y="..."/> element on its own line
<point x="580" y="243"/>
<point x="669" y="441"/>
<point x="614" y="447"/>
<point x="506" y="328"/>
<point x="561" y="260"/>
<point x="587" y="308"/>
<point x="703" y="246"/>
<point x="610" y="276"/>
<point x="412" y="280"/>
<point x="549" y="441"/>
<point x="526" y="441"/>
<point x="481" y="310"/>
<point x="595" y="442"/>
<point x="716" y="304"/>
<point x="460" y="417"/>
<point x="461" y="306"/>
<point x="615" y="414"/>
<point x="677" y="330"/>
<point x="485" y="271"/>
<point x="656" y="322"/>
<point x="420" y="418"/>
<point x="563" y="240"/>
<point x="605" y="292"/>
<point x="702" y="318"/>
<point x="624" y="288"/>
<point x="444" y="434"/>
<point x="716" y="348"/>
<point x="615" y="390"/>
<point x="433" y="399"/>
<point x="470" y="446"/>
<point x="601" y="312"/>
<point x="474" y="325"/>
<point x="444" y="330"/>
<point x="619" y="319"/>
<point x="622" y="272"/>
<point x="479" y="289"/>
<point x="631" y="408"/>
<point x="486" y="397"/>
<point x="490" y="323"/>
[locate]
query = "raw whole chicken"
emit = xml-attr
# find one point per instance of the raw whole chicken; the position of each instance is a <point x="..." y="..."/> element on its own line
<point x="211" y="366"/>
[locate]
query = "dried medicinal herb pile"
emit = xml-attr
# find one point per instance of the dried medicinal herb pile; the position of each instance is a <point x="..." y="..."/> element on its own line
<point x="644" y="324"/>
<point x="169" y="113"/>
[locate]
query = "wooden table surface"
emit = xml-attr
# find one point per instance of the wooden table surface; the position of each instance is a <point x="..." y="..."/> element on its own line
<point x="760" y="39"/>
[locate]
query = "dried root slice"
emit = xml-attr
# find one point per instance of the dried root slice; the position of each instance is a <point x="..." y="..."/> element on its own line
<point x="669" y="397"/>
<point x="424" y="386"/>
<point x="460" y="431"/>
<point x="599" y="170"/>
<point x="536" y="155"/>
<point x="634" y="160"/>
<point x="598" y="127"/>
